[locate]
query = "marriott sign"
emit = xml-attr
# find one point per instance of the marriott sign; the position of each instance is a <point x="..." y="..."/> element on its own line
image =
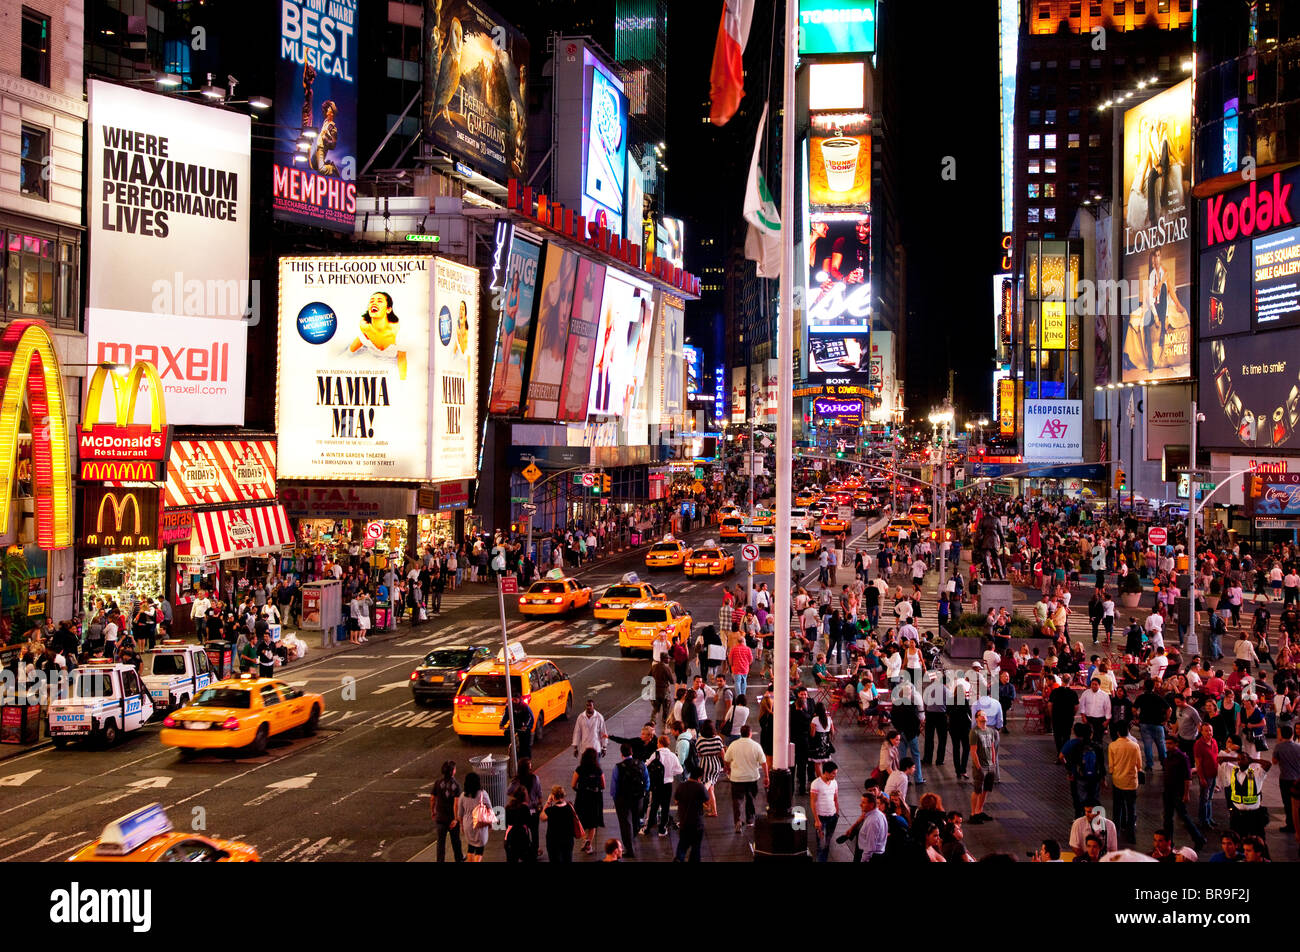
<point x="1250" y="210"/>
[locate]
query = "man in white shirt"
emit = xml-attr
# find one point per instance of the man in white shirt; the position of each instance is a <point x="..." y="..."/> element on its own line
<point x="1093" y="822"/>
<point x="1290" y="588"/>
<point x="1154" y="627"/>
<point x="198" y="613"/>
<point x="900" y="779"/>
<point x="659" y="647"/>
<point x="1158" y="664"/>
<point x="824" y="805"/>
<point x="661" y="793"/>
<point x="589" y="730"/>
<point x="992" y="661"/>
<point x="1094" y="707"/>
<point x="745" y="763"/>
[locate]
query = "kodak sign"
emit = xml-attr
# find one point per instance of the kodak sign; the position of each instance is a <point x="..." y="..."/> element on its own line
<point x="123" y="449"/>
<point x="1252" y="210"/>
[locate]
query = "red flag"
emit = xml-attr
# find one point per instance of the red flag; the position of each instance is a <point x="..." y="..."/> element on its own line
<point x="727" y="78"/>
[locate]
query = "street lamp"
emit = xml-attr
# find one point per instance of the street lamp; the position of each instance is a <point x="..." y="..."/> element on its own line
<point x="942" y="418"/>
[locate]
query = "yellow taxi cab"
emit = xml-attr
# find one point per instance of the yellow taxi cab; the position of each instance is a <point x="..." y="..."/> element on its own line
<point x="853" y="482"/>
<point x="729" y="528"/>
<point x="896" y="526"/>
<point x="481" y="700"/>
<point x="666" y="554"/>
<point x="646" y="620"/>
<point x="763" y="517"/>
<point x="803" y="540"/>
<point x="832" y="523"/>
<point x="554" y="596"/>
<point x="833" y="486"/>
<point x="621" y="596"/>
<point x="146" y="836"/>
<point x="920" y="514"/>
<point x="805" y="497"/>
<point x="729" y="512"/>
<point x="710" y="560"/>
<point x="241" y="712"/>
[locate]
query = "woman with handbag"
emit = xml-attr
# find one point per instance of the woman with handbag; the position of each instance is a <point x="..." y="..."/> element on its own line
<point x="563" y="828"/>
<point x="474" y="811"/>
<point x="821" y="738"/>
<point x="589" y="785"/>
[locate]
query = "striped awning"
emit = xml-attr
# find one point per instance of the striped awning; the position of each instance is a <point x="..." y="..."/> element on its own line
<point x="231" y="533"/>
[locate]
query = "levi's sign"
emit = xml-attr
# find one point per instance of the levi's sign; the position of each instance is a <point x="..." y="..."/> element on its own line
<point x="1250" y="210"/>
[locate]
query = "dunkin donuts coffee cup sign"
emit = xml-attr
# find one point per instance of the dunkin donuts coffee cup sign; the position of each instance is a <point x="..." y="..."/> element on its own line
<point x="839" y="162"/>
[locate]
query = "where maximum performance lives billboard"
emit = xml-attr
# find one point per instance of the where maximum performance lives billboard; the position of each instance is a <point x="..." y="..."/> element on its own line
<point x="316" y="104"/>
<point x="354" y="367"/>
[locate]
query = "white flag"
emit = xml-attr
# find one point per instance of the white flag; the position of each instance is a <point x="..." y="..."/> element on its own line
<point x="763" y="237"/>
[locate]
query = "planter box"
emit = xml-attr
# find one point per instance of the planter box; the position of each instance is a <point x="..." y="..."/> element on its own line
<point x="995" y="594"/>
<point x="1129" y="599"/>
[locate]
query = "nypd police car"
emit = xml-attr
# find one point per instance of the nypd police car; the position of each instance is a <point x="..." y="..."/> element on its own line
<point x="106" y="698"/>
<point x="174" y="672"/>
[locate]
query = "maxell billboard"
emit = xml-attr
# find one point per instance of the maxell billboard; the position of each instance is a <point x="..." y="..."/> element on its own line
<point x="315" y="165"/>
<point x="168" y="221"/>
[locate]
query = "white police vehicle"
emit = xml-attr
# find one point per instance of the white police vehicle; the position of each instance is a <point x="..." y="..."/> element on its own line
<point x="174" y="672"/>
<point x="106" y="698"/>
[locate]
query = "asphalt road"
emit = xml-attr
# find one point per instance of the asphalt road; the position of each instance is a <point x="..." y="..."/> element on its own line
<point x="358" y="789"/>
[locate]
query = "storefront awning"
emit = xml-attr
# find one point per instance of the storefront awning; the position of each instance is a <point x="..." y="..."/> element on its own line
<point x="231" y="533"/>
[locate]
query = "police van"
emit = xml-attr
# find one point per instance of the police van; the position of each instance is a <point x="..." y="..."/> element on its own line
<point x="174" y="672"/>
<point x="106" y="699"/>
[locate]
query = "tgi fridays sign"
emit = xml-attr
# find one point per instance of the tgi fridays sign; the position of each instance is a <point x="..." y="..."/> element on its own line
<point x="208" y="472"/>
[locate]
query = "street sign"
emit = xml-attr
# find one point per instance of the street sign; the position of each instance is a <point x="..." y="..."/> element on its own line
<point x="749" y="552"/>
<point x="717" y="477"/>
<point x="1157" y="535"/>
<point x="752" y="530"/>
<point x="588" y="480"/>
<point x="697" y="487"/>
<point x="509" y="585"/>
<point x="532" y="473"/>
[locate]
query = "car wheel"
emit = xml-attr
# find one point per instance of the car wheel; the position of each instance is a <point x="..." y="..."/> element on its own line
<point x="539" y="729"/>
<point x="258" y="746"/>
<point x="568" y="707"/>
<point x="108" y="733"/>
<point x="625" y="652"/>
<point x="421" y="701"/>
<point x="187" y="753"/>
<point x="313" y="719"/>
<point x="466" y="739"/>
<point x="60" y="743"/>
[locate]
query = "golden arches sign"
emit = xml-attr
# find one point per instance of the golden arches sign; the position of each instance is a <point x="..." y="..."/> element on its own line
<point x="125" y="393"/>
<point x="114" y="534"/>
<point x="29" y="364"/>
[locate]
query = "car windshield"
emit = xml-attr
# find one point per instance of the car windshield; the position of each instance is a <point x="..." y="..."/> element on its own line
<point x="449" y="658"/>
<point x="489" y="685"/>
<point x="647" y="616"/>
<point x="171" y="662"/>
<point x="622" y="591"/>
<point x="664" y="547"/>
<point x="708" y="554"/>
<point x="733" y="521"/>
<point x="222" y="697"/>
<point x="544" y="588"/>
<point x="93" y="684"/>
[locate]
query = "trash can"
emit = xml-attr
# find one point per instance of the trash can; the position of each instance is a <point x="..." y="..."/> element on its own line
<point x="221" y="655"/>
<point x="492" y="773"/>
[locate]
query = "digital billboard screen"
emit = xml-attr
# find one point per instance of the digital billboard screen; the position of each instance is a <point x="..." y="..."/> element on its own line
<point x="454" y="369"/>
<point x="316" y="104"/>
<point x="1275" y="259"/>
<point x="625" y="320"/>
<point x="839" y="161"/>
<point x="1157" y="337"/>
<point x="837" y="26"/>
<point x="1225" y="290"/>
<point x="515" y="329"/>
<point x="1250" y="390"/>
<point x="606" y="160"/>
<point x="475" y="95"/>
<point x="580" y="355"/>
<point x="839" y="276"/>
<point x="551" y="333"/>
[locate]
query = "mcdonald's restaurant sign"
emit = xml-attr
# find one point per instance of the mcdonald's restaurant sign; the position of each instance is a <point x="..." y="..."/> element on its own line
<point x="124" y="450"/>
<point x="120" y="520"/>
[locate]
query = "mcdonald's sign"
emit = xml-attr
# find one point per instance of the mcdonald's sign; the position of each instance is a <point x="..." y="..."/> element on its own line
<point x="29" y="366"/>
<point x="119" y="519"/>
<point x="143" y="445"/>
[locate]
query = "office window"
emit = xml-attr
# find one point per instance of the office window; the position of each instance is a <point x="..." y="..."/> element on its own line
<point x="33" y="179"/>
<point x="1032" y="213"/>
<point x="1033" y="142"/>
<point x="1072" y="117"/>
<point x="1075" y="64"/>
<point x="30" y="275"/>
<point x="1094" y="140"/>
<point x="1184" y="6"/>
<point x="1094" y="8"/>
<point x="1073" y="141"/>
<point x="1049" y="213"/>
<point x="1094" y="63"/>
<point x="1073" y="190"/>
<point x="1117" y="8"/>
<point x="1049" y="190"/>
<point x="1075" y="91"/>
<point x="1049" y="141"/>
<point x="1076" y="10"/>
<point x="1162" y="6"/>
<point x="1035" y="117"/>
<point x="1033" y="167"/>
<point x="1051" y="64"/>
<point x="1033" y="189"/>
<point x="1049" y="166"/>
<point x="1044" y="11"/>
<point x="1051" y="117"/>
<point x="36" y="47"/>
<point x="1035" y="65"/>
<point x="1139" y="7"/>
<point x="1035" y="92"/>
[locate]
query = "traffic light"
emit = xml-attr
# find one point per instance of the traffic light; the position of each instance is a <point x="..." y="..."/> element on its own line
<point x="1120" y="480"/>
<point x="605" y="483"/>
<point x="1257" y="486"/>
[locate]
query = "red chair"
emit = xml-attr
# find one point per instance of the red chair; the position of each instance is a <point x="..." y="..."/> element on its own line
<point x="1034" y="709"/>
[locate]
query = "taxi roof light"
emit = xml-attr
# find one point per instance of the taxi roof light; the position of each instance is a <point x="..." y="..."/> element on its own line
<point x="130" y="832"/>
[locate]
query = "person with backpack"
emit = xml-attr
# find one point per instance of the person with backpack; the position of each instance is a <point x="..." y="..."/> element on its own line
<point x="442" y="806"/>
<point x="631" y="782"/>
<point x="1084" y="766"/>
<point x="663" y="768"/>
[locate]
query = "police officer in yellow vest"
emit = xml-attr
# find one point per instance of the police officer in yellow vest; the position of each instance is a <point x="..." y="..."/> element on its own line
<point x="1243" y="785"/>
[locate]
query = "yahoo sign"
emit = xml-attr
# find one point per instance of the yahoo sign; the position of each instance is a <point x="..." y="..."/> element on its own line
<point x="838" y="408"/>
